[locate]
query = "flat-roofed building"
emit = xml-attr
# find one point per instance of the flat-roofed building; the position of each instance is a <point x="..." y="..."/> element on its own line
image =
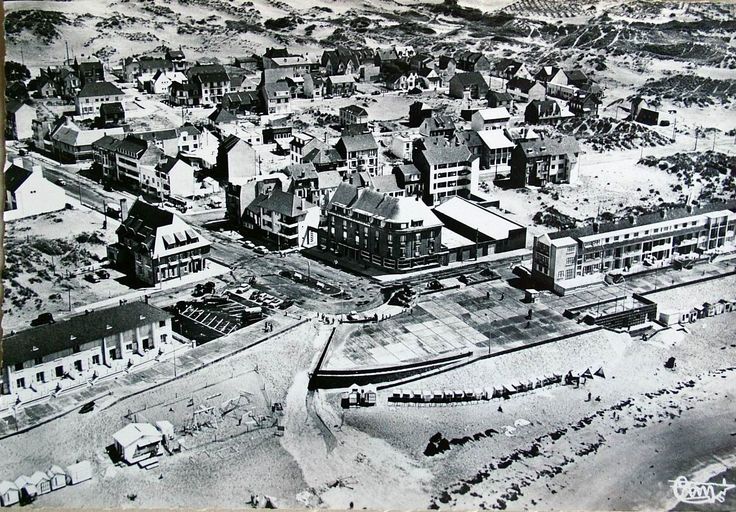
<point x="490" y="230"/>
<point x="567" y="259"/>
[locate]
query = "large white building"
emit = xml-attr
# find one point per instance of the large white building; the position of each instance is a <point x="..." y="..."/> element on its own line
<point x="567" y="259"/>
<point x="28" y="193"/>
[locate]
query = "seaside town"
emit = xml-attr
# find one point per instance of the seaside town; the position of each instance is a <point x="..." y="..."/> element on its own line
<point x="332" y="256"/>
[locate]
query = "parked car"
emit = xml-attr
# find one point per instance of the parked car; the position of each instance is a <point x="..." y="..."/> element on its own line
<point x="60" y="182"/>
<point x="261" y="250"/>
<point x="103" y="274"/>
<point x="92" y="278"/>
<point x="42" y="319"/>
<point x="249" y="244"/>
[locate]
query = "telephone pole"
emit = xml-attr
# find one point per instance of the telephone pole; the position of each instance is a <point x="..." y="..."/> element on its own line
<point x="696" y="139"/>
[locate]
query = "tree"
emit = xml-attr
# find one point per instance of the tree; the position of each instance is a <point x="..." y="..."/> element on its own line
<point x="16" y="71"/>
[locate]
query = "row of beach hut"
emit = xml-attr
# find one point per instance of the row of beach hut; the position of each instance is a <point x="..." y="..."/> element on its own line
<point x="25" y="489"/>
<point x="450" y="396"/>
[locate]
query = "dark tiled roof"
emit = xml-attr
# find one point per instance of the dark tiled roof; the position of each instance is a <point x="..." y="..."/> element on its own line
<point x="15" y="176"/>
<point x="281" y="202"/>
<point x="499" y="95"/>
<point x="469" y="137"/>
<point x="142" y="222"/>
<point x="385" y="183"/>
<point x="358" y="142"/>
<point x="507" y="65"/>
<point x="65" y="335"/>
<point x="230" y="142"/>
<point x="556" y="146"/>
<point x="301" y="171"/>
<point x="439" y="123"/>
<point x="221" y="115"/>
<point x="408" y="169"/>
<point x="322" y="156"/>
<point x="468" y="79"/>
<point x="157" y="135"/>
<point x="114" y="108"/>
<point x="545" y="108"/>
<point x="437" y="150"/>
<point x="93" y="89"/>
<point x="355" y="109"/>
<point x="13" y="105"/>
<point x="643" y="220"/>
<point x="521" y="84"/>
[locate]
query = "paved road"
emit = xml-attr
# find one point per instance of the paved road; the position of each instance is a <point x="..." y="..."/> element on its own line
<point x="83" y="189"/>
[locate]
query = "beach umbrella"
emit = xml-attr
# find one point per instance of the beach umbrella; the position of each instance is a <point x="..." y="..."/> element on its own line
<point x="599" y="373"/>
<point x="587" y="374"/>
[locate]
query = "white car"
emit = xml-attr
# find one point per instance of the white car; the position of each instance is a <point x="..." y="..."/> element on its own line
<point x="261" y="250"/>
<point x="249" y="244"/>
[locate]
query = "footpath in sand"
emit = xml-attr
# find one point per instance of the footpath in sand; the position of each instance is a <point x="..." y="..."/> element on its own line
<point x="343" y="465"/>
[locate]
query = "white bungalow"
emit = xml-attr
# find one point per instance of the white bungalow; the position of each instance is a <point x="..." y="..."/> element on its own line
<point x="57" y="477"/>
<point x="9" y="494"/>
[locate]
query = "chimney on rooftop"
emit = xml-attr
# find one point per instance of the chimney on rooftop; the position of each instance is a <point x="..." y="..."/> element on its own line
<point x="596" y="227"/>
<point x="632" y="219"/>
<point x="123" y="209"/>
<point x="663" y="213"/>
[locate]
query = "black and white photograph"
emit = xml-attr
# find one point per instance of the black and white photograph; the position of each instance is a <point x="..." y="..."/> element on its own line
<point x="369" y="255"/>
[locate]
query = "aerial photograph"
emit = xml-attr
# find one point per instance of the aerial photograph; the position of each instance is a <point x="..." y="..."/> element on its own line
<point x="369" y="254"/>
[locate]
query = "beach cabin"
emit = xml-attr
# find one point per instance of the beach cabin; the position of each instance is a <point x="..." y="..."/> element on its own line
<point x="137" y="442"/>
<point x="79" y="472"/>
<point x="42" y="482"/>
<point x="28" y="491"/>
<point x="57" y="477"/>
<point x="9" y="494"/>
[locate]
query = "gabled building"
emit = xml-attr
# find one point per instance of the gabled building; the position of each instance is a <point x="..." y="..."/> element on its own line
<point x="565" y="84"/>
<point x="409" y="178"/>
<point x="490" y="119"/>
<point x="94" y="94"/>
<point x="112" y="114"/>
<point x="221" y="117"/>
<point x="470" y="85"/>
<point x="237" y="161"/>
<point x="438" y="126"/>
<point x="353" y="114"/>
<point x="175" y="178"/>
<point x="472" y="61"/>
<point x="212" y="82"/>
<point x="525" y="89"/>
<point x="346" y="61"/>
<point x="283" y="217"/>
<point x="447" y="168"/>
<point x="498" y="99"/>
<point x="156" y="246"/>
<point x="19" y="117"/>
<point x="132" y="161"/>
<point x="340" y="85"/>
<point x="543" y="161"/>
<point x="28" y="193"/>
<point x="418" y="112"/>
<point x="392" y="233"/>
<point x="641" y="112"/>
<point x="71" y="143"/>
<point x="241" y="102"/>
<point x="544" y="111"/>
<point x="141" y="65"/>
<point x="387" y="184"/>
<point x="45" y="359"/>
<point x="359" y="151"/>
<point x="584" y="104"/>
<point x="276" y="97"/>
<point x="177" y="58"/>
<point x="278" y="67"/>
<point x="510" y="68"/>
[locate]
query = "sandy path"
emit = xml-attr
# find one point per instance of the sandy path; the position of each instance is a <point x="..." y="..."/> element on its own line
<point x="353" y="467"/>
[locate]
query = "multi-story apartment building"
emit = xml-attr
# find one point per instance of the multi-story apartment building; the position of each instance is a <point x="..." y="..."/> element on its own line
<point x="212" y="81"/>
<point x="393" y="233"/>
<point x="542" y="161"/>
<point x="567" y="259"/>
<point x="284" y="217"/>
<point x="360" y="152"/>
<point x="156" y="246"/>
<point x="48" y="358"/>
<point x="448" y="168"/>
<point x="129" y="160"/>
<point x="353" y="114"/>
<point x="94" y="94"/>
<point x="276" y="97"/>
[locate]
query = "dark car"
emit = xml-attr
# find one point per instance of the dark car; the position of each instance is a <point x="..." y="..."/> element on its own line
<point x="103" y="274"/>
<point x="42" y="319"/>
<point x="88" y="407"/>
<point x="92" y="278"/>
